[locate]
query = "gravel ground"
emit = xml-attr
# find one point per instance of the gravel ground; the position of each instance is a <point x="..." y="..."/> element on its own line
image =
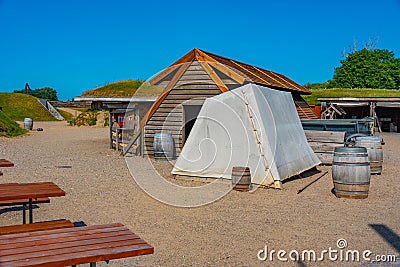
<point x="228" y="232"/>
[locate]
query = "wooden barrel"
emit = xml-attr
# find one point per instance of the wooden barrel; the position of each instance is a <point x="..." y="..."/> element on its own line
<point x="164" y="147"/>
<point x="241" y="178"/>
<point x="351" y="172"/>
<point x="375" y="151"/>
<point x="28" y="123"/>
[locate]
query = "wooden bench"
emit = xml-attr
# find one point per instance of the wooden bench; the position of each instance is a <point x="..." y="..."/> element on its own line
<point x="30" y="191"/>
<point x="16" y="202"/>
<point x="38" y="226"/>
<point x="23" y="202"/>
<point x="71" y="246"/>
<point x="6" y="163"/>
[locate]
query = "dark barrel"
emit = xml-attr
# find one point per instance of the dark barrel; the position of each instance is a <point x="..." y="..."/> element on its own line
<point x="28" y="123"/>
<point x="241" y="178"/>
<point x="375" y="151"/>
<point x="164" y="147"/>
<point x="351" y="172"/>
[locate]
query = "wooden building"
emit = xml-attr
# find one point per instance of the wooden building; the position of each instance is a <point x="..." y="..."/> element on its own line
<point x="197" y="76"/>
<point x="385" y="110"/>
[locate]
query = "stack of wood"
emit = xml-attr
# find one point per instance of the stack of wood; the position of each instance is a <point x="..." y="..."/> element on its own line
<point x="323" y="143"/>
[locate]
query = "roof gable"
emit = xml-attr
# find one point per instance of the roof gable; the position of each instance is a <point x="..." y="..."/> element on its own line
<point x="238" y="71"/>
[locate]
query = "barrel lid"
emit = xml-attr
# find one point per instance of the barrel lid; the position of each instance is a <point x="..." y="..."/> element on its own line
<point x="350" y="149"/>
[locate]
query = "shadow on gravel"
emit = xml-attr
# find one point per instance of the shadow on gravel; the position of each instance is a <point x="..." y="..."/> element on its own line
<point x="79" y="224"/>
<point x="386" y="233"/>
<point x="303" y="175"/>
<point x="17" y="208"/>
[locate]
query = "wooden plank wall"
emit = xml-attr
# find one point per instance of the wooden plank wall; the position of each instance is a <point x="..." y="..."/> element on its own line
<point x="194" y="83"/>
<point x="323" y="143"/>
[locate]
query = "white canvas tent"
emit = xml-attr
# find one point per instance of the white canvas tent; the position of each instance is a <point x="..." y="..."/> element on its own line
<point x="251" y="126"/>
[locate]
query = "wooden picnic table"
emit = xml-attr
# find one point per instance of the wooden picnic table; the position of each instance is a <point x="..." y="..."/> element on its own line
<point x="6" y="163"/>
<point x="71" y="246"/>
<point x="29" y="191"/>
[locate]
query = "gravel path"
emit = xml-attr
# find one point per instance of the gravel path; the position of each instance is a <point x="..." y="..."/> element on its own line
<point x="229" y="232"/>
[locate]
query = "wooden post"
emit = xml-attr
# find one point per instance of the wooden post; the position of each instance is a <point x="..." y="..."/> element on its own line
<point x="110" y="122"/>
<point x="372" y="109"/>
<point x="142" y="143"/>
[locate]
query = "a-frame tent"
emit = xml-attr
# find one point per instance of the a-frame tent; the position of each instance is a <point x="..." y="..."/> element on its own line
<point x="197" y="76"/>
<point x="251" y="126"/>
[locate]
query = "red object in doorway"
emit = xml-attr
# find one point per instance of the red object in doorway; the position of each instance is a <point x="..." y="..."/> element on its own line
<point x="121" y="120"/>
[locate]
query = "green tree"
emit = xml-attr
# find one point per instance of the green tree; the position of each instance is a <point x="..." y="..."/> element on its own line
<point x="367" y="68"/>
<point x="43" y="93"/>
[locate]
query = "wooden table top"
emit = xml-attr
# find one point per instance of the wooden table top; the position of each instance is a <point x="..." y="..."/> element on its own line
<point x="6" y="163"/>
<point x="29" y="190"/>
<point x="69" y="246"/>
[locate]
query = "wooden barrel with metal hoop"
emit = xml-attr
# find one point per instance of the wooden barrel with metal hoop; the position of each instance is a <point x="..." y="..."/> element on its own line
<point x="241" y="178"/>
<point x="351" y="172"/>
<point x="375" y="151"/>
<point x="164" y="146"/>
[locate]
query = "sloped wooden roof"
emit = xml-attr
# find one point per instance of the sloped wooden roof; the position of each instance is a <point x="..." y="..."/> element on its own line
<point x="217" y="66"/>
<point x="236" y="70"/>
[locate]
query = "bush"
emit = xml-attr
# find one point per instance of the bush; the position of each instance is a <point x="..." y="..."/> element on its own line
<point x="88" y="118"/>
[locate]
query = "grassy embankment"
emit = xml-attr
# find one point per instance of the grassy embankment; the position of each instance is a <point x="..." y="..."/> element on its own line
<point x="16" y="107"/>
<point x="126" y="88"/>
<point x="316" y="93"/>
<point x="8" y="127"/>
<point x="19" y="106"/>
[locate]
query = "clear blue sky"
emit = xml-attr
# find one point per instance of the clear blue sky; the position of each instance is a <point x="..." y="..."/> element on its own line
<point x="76" y="45"/>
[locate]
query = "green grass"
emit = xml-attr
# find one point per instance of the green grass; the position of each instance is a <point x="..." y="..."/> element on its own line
<point x="316" y="93"/>
<point x="19" y="106"/>
<point x="8" y="127"/>
<point x="67" y="116"/>
<point x="149" y="90"/>
<point x="120" y="88"/>
<point x="81" y="109"/>
<point x="126" y="88"/>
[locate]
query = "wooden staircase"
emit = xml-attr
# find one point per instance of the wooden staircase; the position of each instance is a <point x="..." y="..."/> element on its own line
<point x="304" y="110"/>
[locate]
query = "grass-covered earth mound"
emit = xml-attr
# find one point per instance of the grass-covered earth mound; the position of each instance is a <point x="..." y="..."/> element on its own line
<point x="125" y="88"/>
<point x="8" y="127"/>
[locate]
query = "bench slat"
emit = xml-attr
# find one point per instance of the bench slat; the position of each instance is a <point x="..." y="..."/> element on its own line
<point x="64" y="246"/>
<point x="39" y="226"/>
<point x="53" y="240"/>
<point x="13" y="202"/>
<point x="30" y="190"/>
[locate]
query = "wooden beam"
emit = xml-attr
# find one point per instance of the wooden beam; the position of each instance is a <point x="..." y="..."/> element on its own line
<point x="164" y="94"/>
<point x="189" y="57"/>
<point x="163" y="74"/>
<point x="325" y="136"/>
<point x="302" y="110"/>
<point x="249" y="71"/>
<point x="228" y="72"/>
<point x="214" y="76"/>
<point x="131" y="142"/>
<point x="201" y="56"/>
<point x="269" y="76"/>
